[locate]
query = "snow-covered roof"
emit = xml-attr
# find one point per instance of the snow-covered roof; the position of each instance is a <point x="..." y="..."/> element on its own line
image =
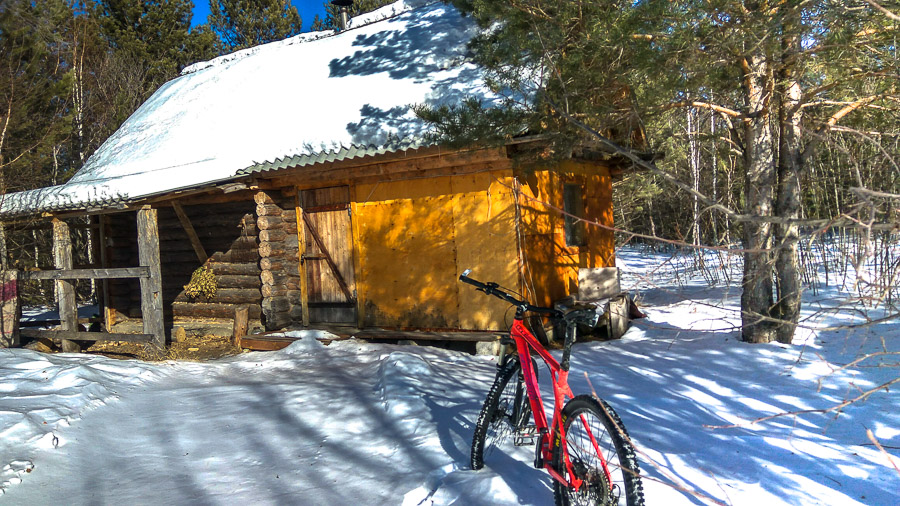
<point x="311" y="96"/>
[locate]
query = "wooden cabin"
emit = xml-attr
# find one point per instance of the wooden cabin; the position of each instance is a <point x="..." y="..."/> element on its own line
<point x="329" y="219"/>
<point x="379" y="243"/>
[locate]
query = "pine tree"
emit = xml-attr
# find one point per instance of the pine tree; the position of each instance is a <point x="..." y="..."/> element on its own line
<point x="156" y="33"/>
<point x="782" y="77"/>
<point x="34" y="92"/>
<point x="246" y="23"/>
<point x="333" y="14"/>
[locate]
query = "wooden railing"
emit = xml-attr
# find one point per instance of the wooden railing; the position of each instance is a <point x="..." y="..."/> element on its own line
<point x="118" y="273"/>
<point x="64" y="275"/>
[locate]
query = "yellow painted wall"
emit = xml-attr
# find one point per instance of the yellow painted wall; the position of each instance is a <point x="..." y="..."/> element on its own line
<point x="486" y="243"/>
<point x="551" y="271"/>
<point x="415" y="237"/>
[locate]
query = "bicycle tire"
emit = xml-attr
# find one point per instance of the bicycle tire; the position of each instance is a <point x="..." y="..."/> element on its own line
<point x="609" y="432"/>
<point x="506" y="409"/>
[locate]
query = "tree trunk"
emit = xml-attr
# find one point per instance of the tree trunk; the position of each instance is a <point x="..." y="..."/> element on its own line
<point x="787" y="203"/>
<point x="759" y="190"/>
<point x="694" y="159"/>
<point x="715" y="179"/>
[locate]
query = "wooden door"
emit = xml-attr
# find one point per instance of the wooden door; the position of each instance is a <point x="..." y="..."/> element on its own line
<point x="327" y="257"/>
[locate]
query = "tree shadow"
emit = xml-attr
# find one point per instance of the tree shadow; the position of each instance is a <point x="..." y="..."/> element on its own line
<point x="675" y="402"/>
<point x="427" y="45"/>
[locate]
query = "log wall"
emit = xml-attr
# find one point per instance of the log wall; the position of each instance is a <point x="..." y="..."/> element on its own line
<point x="276" y="220"/>
<point x="228" y="234"/>
<point x="412" y="239"/>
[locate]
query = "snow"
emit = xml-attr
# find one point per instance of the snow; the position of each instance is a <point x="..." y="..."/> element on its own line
<point x="305" y="95"/>
<point x="363" y="423"/>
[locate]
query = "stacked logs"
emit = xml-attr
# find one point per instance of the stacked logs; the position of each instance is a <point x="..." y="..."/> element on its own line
<point x="276" y="220"/>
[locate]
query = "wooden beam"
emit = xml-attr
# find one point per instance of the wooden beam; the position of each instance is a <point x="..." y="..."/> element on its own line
<point x="274" y="341"/>
<point x="414" y="335"/>
<point x="301" y="265"/>
<point x="65" y="288"/>
<point x="191" y="233"/>
<point x="70" y="335"/>
<point x="409" y="157"/>
<point x="54" y="323"/>
<point x="117" y="273"/>
<point x="241" y="322"/>
<point x="256" y="344"/>
<point x="205" y="195"/>
<point x="448" y="165"/>
<point x="151" y="287"/>
<point x="360" y="273"/>
<point x="107" y="312"/>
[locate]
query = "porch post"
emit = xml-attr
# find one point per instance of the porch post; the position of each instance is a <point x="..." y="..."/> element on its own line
<point x="151" y="287"/>
<point x="65" y="288"/>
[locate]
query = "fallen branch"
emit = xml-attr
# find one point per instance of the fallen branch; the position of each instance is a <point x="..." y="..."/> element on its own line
<point x="878" y="445"/>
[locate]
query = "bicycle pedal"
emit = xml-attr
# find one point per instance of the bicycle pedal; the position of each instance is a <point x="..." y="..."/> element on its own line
<point x="525" y="440"/>
<point x="526" y="437"/>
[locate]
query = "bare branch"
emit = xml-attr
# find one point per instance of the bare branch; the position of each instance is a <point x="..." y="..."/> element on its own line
<point x="852" y="107"/>
<point x="887" y="455"/>
<point x="884" y="11"/>
<point x="704" y="105"/>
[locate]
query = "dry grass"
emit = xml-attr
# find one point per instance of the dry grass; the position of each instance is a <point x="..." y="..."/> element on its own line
<point x="196" y="348"/>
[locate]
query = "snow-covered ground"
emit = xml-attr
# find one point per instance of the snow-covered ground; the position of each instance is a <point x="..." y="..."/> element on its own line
<point x="357" y="423"/>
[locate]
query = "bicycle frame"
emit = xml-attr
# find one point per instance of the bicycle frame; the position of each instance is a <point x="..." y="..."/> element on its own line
<point x="525" y="342"/>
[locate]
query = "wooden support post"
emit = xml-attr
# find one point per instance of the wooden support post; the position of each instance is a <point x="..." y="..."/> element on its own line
<point x="151" y="287"/>
<point x="241" y="321"/>
<point x="191" y="233"/>
<point x="302" y="246"/>
<point x="106" y="312"/>
<point x="10" y="309"/>
<point x="65" y="289"/>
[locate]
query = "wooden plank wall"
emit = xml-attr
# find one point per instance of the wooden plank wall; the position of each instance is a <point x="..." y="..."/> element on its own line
<point x="414" y="239"/>
<point x="552" y="266"/>
<point x="325" y="220"/>
<point x="228" y="232"/>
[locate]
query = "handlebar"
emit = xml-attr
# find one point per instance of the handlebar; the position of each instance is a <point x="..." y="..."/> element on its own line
<point x="571" y="316"/>
<point x="491" y="288"/>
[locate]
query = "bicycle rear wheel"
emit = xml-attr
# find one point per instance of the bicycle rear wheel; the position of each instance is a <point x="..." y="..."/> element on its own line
<point x="587" y="421"/>
<point x="505" y="411"/>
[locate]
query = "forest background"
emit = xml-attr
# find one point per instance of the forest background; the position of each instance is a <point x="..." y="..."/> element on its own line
<point x="756" y="127"/>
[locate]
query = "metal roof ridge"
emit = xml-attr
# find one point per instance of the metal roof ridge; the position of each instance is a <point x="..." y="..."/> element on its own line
<point x="335" y="153"/>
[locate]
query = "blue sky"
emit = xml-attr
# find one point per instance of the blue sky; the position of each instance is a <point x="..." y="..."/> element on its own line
<point x="307" y="8"/>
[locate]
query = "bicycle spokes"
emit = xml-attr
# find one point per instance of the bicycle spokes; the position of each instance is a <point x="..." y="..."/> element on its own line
<point x="592" y="462"/>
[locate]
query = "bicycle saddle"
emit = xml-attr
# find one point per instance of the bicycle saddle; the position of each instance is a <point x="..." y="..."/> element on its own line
<point x="583" y="314"/>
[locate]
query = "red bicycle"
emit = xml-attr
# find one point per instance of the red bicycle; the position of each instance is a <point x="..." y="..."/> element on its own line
<point x="597" y="463"/>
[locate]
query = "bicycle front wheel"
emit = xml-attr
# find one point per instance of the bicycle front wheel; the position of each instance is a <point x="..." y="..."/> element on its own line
<point x="506" y="411"/>
<point x="600" y="453"/>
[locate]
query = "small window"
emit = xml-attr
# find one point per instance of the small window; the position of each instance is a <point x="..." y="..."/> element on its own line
<point x="573" y="205"/>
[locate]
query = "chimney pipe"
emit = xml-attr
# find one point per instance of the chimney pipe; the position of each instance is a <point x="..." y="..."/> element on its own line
<point x="344" y="5"/>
